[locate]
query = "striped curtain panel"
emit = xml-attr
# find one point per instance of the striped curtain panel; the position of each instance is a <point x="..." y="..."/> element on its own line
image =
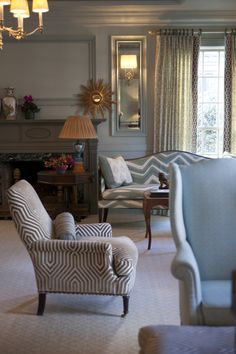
<point x="175" y="95"/>
<point x="230" y="93"/>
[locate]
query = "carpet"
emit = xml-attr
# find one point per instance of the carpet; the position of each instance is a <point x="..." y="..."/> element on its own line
<point x="86" y="324"/>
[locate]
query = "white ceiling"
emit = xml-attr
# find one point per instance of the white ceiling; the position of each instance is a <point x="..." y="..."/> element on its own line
<point x="159" y="13"/>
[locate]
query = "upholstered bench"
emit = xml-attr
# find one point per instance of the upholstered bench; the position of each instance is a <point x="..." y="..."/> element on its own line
<point x="161" y="339"/>
<point x="123" y="182"/>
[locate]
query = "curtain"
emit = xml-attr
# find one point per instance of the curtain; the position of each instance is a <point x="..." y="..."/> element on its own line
<point x="230" y="93"/>
<point x="175" y="96"/>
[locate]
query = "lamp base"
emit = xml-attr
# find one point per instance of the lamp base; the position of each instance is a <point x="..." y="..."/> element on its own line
<point x="78" y="167"/>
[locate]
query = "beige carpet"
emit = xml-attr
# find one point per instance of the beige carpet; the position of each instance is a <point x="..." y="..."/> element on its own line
<point x="77" y="324"/>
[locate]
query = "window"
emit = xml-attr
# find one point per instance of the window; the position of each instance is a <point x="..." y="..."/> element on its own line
<point x="210" y="123"/>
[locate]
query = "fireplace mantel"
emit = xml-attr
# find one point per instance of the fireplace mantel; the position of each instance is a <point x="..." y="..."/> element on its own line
<point x="38" y="137"/>
<point x="21" y="136"/>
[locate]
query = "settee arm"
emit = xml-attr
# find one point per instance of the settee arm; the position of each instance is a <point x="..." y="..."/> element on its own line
<point x="184" y="267"/>
<point x="96" y="229"/>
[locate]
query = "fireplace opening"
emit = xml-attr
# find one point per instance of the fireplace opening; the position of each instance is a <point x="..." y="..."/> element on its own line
<point x="52" y="196"/>
<point x="27" y="170"/>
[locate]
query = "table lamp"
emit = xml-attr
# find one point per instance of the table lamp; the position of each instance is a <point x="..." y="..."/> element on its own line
<point x="78" y="128"/>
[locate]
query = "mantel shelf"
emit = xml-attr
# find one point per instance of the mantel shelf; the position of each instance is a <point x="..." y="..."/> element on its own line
<point x="95" y="121"/>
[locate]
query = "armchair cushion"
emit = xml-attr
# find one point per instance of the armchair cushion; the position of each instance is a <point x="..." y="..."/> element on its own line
<point x="65" y="226"/>
<point x="115" y="171"/>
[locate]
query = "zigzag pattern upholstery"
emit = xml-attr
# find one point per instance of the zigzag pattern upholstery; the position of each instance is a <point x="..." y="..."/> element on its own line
<point x="144" y="171"/>
<point x="94" y="263"/>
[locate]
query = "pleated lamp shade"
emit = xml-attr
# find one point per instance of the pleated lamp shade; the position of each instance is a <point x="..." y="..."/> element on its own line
<point x="78" y="127"/>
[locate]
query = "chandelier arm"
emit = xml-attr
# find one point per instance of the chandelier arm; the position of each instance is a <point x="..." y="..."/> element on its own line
<point x="18" y="33"/>
<point x="38" y="29"/>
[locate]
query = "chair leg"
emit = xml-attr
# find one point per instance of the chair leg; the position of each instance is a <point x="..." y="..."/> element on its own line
<point x="125" y="305"/>
<point x="41" y="304"/>
<point x="105" y="214"/>
<point x="100" y="214"/>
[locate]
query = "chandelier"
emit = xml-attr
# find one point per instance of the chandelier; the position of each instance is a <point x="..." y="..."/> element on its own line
<point x="20" y="10"/>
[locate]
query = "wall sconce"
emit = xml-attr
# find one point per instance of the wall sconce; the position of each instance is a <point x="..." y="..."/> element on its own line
<point x="129" y="63"/>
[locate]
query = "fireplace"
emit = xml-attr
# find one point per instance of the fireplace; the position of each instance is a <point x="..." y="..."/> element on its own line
<point x="24" y="145"/>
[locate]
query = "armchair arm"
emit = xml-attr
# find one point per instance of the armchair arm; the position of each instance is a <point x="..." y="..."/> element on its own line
<point x="184" y="267"/>
<point x="71" y="246"/>
<point x="95" y="229"/>
<point x="72" y="266"/>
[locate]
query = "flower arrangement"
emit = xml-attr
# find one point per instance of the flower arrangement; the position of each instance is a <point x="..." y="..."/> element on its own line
<point x="62" y="162"/>
<point x="29" y="105"/>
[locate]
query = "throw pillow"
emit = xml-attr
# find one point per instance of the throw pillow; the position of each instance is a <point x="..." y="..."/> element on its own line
<point x="65" y="226"/>
<point x="115" y="171"/>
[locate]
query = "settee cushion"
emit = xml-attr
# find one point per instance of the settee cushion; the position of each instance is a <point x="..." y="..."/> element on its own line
<point x="115" y="171"/>
<point x="65" y="226"/>
<point x="133" y="191"/>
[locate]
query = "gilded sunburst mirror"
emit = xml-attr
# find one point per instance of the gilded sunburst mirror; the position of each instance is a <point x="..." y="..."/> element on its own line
<point x="96" y="98"/>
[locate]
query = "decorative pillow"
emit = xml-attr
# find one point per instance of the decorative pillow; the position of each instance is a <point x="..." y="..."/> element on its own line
<point x="65" y="226"/>
<point x="115" y="171"/>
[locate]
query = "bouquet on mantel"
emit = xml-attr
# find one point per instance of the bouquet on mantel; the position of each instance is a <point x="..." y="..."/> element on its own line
<point x="60" y="163"/>
<point x="29" y="105"/>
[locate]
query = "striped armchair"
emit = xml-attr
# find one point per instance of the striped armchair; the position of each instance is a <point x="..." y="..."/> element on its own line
<point x="69" y="257"/>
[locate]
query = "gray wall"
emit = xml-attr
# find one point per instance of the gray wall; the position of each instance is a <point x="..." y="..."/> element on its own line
<point x="53" y="66"/>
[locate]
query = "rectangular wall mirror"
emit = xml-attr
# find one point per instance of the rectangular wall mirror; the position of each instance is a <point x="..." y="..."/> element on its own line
<point x="128" y="63"/>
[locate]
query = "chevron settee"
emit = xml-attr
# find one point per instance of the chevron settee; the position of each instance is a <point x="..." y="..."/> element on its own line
<point x="144" y="172"/>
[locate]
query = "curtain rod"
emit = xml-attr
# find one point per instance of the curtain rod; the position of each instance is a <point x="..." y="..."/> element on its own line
<point x="158" y="31"/>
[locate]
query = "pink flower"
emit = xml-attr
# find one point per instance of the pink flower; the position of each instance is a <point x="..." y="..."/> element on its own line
<point x="64" y="161"/>
<point x="28" y="99"/>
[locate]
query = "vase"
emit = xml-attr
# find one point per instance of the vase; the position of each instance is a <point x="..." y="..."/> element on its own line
<point x="61" y="170"/>
<point x="9" y="104"/>
<point x="29" y="115"/>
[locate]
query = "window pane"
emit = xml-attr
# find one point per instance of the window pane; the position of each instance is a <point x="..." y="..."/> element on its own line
<point x="222" y="63"/>
<point x="210" y="63"/>
<point x="210" y="89"/>
<point x="209" y="141"/>
<point x="209" y="115"/>
<point x="210" y="102"/>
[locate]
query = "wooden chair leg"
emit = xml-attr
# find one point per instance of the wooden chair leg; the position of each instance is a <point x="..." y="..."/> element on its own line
<point x="125" y="305"/>
<point x="105" y="214"/>
<point x="100" y="214"/>
<point x="41" y="304"/>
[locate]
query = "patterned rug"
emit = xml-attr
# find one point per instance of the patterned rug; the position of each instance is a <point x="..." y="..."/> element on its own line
<point x="79" y="324"/>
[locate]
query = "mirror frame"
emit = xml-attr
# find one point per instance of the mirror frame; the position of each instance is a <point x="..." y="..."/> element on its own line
<point x="115" y="40"/>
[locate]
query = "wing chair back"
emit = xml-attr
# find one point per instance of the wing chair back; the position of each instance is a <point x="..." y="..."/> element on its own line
<point x="28" y="213"/>
<point x="206" y="197"/>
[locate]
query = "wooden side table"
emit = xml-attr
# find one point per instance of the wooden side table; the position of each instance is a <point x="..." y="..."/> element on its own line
<point x="65" y="181"/>
<point x="161" y="198"/>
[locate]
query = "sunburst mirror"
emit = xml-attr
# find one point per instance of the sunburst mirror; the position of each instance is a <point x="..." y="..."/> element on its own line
<point x="96" y="98"/>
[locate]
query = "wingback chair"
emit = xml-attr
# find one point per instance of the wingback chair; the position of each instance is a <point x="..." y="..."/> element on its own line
<point x="203" y="221"/>
<point x="69" y="257"/>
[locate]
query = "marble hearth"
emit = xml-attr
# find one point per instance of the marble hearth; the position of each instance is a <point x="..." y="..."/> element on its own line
<point x="24" y="145"/>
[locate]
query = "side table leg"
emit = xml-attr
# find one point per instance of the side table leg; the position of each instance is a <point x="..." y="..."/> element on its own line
<point x="147" y="216"/>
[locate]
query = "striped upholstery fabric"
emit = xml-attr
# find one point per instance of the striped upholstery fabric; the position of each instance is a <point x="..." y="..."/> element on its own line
<point x="144" y="171"/>
<point x="97" y="229"/>
<point x="94" y="263"/>
<point x="64" y="224"/>
<point x="29" y="215"/>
